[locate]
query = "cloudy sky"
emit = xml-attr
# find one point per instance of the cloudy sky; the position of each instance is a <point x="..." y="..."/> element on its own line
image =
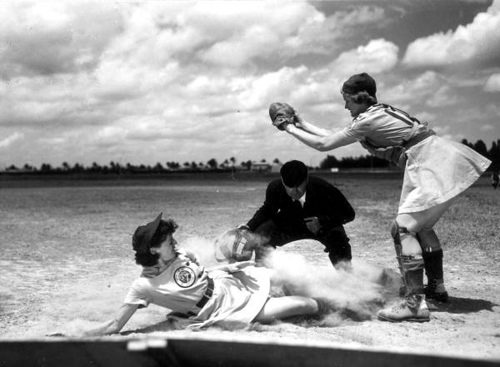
<point x="157" y="81"/>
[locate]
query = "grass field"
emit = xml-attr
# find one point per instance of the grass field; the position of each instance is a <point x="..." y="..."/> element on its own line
<point x="67" y="262"/>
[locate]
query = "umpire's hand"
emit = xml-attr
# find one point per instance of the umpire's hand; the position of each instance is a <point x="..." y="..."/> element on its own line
<point x="313" y="224"/>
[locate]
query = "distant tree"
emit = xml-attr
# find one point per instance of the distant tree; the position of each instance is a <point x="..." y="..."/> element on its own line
<point x="494" y="155"/>
<point x="480" y="147"/>
<point x="28" y="167"/>
<point x="172" y="165"/>
<point x="247" y="165"/>
<point x="95" y="167"/>
<point x="129" y="167"/>
<point x="276" y="161"/>
<point x="78" y="168"/>
<point x="158" y="167"/>
<point x="46" y="167"/>
<point x="212" y="163"/>
<point x="233" y="161"/>
<point x="465" y="142"/>
<point x="65" y="166"/>
<point x="329" y="162"/>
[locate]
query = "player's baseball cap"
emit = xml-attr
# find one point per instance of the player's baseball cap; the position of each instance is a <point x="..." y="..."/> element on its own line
<point x="293" y="173"/>
<point x="141" y="240"/>
<point x="358" y="83"/>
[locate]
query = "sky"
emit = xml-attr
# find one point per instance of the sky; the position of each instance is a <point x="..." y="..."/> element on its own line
<point x="143" y="82"/>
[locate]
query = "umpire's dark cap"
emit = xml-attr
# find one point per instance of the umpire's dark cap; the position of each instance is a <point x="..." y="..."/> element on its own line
<point x="293" y="173"/>
<point x="359" y="83"/>
<point x="141" y="240"/>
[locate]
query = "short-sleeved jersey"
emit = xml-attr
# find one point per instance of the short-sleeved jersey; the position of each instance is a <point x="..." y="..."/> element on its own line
<point x="385" y="126"/>
<point x="179" y="287"/>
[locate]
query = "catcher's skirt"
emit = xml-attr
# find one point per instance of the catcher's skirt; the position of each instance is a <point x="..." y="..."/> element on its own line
<point x="436" y="171"/>
<point x="237" y="298"/>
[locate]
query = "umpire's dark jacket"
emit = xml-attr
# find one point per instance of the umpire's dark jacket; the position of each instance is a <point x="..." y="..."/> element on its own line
<point x="323" y="200"/>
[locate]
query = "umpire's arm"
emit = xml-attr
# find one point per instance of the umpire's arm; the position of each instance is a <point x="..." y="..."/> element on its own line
<point x="339" y="209"/>
<point x="269" y="208"/>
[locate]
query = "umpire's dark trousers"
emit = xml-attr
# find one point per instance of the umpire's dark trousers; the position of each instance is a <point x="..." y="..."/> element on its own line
<point x="334" y="238"/>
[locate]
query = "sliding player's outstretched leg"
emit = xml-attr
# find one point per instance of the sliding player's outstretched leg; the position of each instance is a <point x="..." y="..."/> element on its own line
<point x="411" y="264"/>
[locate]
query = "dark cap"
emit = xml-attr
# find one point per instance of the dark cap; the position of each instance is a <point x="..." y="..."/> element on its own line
<point x="293" y="173"/>
<point x="141" y="240"/>
<point x="358" y="83"/>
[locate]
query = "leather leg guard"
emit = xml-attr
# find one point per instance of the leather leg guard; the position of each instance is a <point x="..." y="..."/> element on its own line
<point x="409" y="256"/>
<point x="433" y="255"/>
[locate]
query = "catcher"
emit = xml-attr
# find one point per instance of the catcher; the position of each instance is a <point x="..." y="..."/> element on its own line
<point x="436" y="172"/>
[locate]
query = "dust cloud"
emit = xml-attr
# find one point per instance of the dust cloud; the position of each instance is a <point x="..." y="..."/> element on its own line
<point x="353" y="291"/>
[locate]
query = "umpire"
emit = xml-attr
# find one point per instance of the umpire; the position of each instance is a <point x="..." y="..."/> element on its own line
<point x="299" y="206"/>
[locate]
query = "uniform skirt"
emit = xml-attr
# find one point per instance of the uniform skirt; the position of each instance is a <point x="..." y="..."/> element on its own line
<point x="237" y="298"/>
<point x="436" y="171"/>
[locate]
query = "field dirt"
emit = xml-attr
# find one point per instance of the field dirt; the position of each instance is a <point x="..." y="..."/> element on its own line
<point x="67" y="263"/>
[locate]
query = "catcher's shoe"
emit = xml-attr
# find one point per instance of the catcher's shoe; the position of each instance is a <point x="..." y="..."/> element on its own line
<point x="412" y="308"/>
<point x="436" y="291"/>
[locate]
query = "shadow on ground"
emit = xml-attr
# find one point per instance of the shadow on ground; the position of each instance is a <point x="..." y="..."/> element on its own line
<point x="462" y="305"/>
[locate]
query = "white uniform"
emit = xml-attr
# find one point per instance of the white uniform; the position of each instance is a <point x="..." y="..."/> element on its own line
<point x="237" y="298"/>
<point x="436" y="169"/>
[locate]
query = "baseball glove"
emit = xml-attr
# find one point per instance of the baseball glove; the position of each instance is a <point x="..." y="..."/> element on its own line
<point x="282" y="114"/>
<point x="234" y="245"/>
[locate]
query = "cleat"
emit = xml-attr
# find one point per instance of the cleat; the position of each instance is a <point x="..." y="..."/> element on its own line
<point x="413" y="308"/>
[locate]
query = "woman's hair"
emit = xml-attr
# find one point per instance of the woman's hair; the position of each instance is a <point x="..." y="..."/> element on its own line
<point x="146" y="258"/>
<point x="363" y="98"/>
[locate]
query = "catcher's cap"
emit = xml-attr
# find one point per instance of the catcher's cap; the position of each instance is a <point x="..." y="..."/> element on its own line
<point x="358" y="83"/>
<point x="141" y="240"/>
<point x="280" y="108"/>
<point x="234" y="245"/>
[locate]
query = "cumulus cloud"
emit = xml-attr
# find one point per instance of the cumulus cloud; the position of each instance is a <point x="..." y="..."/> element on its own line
<point x="143" y="80"/>
<point x="487" y="128"/>
<point x="478" y="41"/>
<point x="420" y="87"/>
<point x="43" y="38"/>
<point x="493" y="83"/>
<point x="4" y="143"/>
<point x="377" y="56"/>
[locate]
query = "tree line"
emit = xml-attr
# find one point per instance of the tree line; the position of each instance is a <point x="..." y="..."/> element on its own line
<point x="330" y="161"/>
<point x="118" y="168"/>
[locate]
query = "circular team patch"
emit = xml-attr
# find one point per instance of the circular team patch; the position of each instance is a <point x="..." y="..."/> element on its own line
<point x="184" y="277"/>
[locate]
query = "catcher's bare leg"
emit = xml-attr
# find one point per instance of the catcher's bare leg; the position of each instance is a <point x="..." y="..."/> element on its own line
<point x="422" y="223"/>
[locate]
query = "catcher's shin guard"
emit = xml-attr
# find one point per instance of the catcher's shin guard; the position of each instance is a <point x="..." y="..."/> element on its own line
<point x="409" y="256"/>
<point x="433" y="255"/>
<point x="433" y="262"/>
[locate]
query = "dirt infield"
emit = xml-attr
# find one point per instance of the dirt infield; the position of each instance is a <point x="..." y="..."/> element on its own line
<point x="66" y="262"/>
